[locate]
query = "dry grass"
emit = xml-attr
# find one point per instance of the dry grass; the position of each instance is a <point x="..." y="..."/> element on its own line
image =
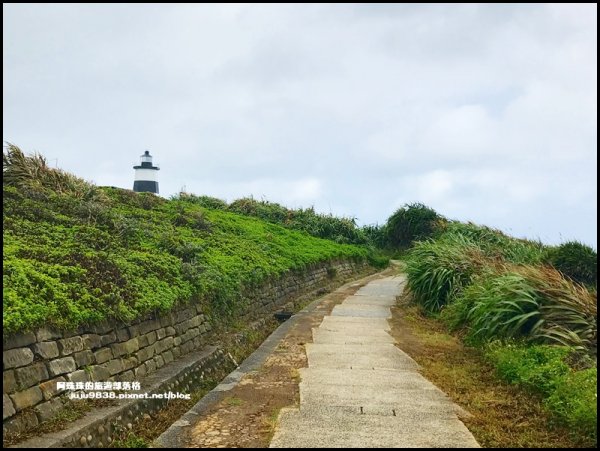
<point x="233" y="401"/>
<point x="33" y="172"/>
<point x="502" y="416"/>
<point x="71" y="411"/>
<point x="271" y="424"/>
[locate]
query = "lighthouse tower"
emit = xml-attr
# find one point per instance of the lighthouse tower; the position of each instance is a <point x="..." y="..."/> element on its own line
<point x="146" y="175"/>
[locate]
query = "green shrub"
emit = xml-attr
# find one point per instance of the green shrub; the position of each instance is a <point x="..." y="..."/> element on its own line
<point x="575" y="401"/>
<point x="577" y="261"/>
<point x="375" y="236"/>
<point x="129" y="198"/>
<point x="378" y="260"/>
<point x="538" y="368"/>
<point x="570" y="395"/>
<point x="412" y="222"/>
<point x="204" y="201"/>
<point x="340" y="230"/>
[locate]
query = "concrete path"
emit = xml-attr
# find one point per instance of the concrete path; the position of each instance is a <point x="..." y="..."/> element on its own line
<point x="360" y="390"/>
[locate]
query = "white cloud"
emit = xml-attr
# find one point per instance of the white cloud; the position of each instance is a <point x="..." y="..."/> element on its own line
<point x="487" y="112"/>
<point x="462" y="132"/>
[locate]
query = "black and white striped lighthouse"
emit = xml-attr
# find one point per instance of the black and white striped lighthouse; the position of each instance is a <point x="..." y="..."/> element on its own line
<point x="146" y="175"/>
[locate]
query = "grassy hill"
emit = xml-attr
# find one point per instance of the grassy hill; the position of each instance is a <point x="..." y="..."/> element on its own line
<point x="75" y="253"/>
<point x="531" y="309"/>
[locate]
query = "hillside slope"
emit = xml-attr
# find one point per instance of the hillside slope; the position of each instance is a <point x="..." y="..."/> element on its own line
<point x="74" y="256"/>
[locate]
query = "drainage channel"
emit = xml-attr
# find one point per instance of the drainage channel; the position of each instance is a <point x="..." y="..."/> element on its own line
<point x="176" y="435"/>
<point x="99" y="427"/>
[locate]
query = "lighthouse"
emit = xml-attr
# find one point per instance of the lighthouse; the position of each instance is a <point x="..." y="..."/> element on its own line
<point x="146" y="175"/>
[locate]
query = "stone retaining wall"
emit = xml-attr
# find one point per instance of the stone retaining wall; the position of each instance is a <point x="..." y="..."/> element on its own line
<point x="35" y="361"/>
<point x="100" y="427"/>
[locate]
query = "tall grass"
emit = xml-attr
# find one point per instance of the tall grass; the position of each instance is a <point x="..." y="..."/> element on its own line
<point x="535" y="303"/>
<point x="496" y="286"/>
<point x="500" y="289"/>
<point x="33" y="172"/>
<point x="496" y="244"/>
<point x="375" y="235"/>
<point x="439" y="270"/>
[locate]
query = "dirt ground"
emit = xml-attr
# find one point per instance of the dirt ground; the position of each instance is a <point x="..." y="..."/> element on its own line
<point x="246" y="417"/>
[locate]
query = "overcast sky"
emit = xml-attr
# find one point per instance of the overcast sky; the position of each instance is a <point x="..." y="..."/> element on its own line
<point x="483" y="112"/>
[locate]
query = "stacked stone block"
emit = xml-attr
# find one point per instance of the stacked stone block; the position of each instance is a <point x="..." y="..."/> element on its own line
<point x="35" y="361"/>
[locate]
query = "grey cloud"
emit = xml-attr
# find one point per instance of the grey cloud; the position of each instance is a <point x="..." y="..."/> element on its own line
<point x="487" y="112"/>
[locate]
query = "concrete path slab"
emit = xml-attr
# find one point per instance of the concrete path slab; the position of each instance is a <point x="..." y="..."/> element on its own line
<point x="417" y="413"/>
<point x="385" y="294"/>
<point x="321" y="336"/>
<point x="383" y="301"/>
<point x="352" y="329"/>
<point x="380" y="290"/>
<point x="362" y="377"/>
<point x="368" y="431"/>
<point x="371" y="323"/>
<point x="360" y="390"/>
<point x="381" y="393"/>
<point x="375" y="356"/>
<point x="361" y="311"/>
<point x="415" y="397"/>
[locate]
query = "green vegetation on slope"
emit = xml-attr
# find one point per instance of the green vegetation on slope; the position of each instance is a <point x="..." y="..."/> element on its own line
<point x="494" y="289"/>
<point x="411" y="223"/>
<point x="494" y="286"/>
<point x="75" y="253"/>
<point x="503" y="411"/>
<point x="340" y="230"/>
<point x="531" y="302"/>
<point x="576" y="261"/>
<point x="569" y="394"/>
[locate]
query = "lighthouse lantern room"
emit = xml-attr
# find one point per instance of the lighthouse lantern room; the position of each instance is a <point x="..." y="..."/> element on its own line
<point x="146" y="175"/>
